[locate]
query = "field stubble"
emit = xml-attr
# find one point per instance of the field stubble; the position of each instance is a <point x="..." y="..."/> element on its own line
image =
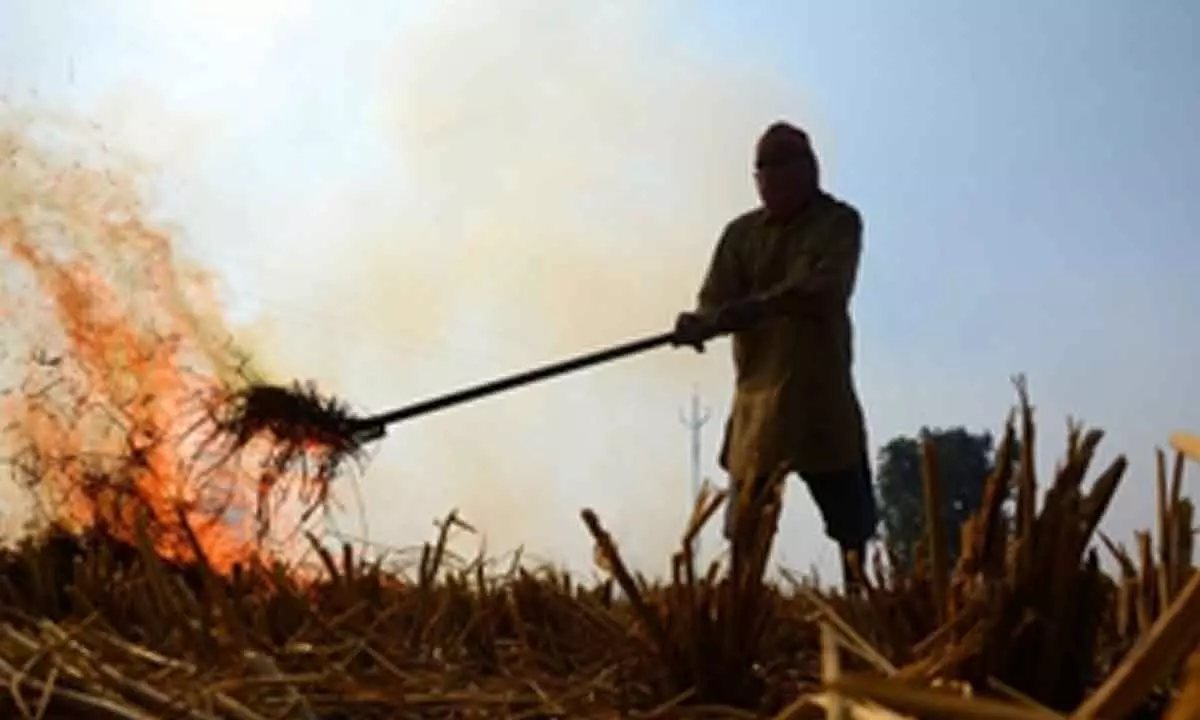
<point x="1027" y="625"/>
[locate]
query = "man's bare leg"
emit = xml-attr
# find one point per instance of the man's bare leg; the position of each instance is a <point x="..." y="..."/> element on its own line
<point x="853" y="568"/>
<point x="846" y="503"/>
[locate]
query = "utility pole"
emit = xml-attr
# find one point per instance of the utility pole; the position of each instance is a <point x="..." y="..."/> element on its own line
<point x="695" y="421"/>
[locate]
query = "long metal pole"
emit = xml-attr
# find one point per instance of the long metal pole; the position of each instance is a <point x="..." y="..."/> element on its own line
<point x="372" y="427"/>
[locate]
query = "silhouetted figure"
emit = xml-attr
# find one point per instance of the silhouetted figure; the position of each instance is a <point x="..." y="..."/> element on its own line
<point x="780" y="281"/>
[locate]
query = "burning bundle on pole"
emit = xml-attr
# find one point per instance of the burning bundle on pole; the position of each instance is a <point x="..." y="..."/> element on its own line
<point x="301" y="432"/>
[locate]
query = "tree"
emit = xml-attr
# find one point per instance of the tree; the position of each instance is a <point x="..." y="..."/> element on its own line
<point x="965" y="460"/>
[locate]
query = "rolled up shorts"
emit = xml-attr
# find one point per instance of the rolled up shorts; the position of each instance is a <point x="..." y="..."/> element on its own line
<point x="845" y="500"/>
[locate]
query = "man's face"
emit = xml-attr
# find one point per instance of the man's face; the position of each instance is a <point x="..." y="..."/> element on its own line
<point x="785" y="173"/>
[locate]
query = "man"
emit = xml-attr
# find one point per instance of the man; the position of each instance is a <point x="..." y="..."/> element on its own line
<point x="780" y="281"/>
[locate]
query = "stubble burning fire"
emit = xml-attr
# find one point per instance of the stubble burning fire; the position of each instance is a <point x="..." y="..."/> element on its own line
<point x="118" y="371"/>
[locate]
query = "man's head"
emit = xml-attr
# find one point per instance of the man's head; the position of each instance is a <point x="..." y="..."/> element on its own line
<point x="785" y="169"/>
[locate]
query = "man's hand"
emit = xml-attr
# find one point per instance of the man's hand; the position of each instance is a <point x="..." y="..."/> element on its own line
<point x="693" y="329"/>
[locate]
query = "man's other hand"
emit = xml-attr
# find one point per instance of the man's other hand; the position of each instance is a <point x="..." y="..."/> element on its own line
<point x="741" y="315"/>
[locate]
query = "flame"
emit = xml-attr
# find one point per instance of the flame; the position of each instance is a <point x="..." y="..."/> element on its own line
<point x="111" y="410"/>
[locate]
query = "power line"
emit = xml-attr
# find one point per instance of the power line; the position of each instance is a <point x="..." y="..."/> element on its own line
<point x="695" y="421"/>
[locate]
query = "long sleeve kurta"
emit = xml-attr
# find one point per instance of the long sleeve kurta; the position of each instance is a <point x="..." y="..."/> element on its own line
<point x="795" y="402"/>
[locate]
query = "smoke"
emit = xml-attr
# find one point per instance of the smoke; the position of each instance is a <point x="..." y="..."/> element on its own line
<point x="500" y="186"/>
<point x="559" y="175"/>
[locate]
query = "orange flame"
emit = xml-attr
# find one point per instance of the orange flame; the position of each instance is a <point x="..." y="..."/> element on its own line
<point x="120" y="369"/>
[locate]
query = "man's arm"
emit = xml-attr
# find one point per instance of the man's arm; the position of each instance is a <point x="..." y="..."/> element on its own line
<point x="827" y="284"/>
<point x="723" y="284"/>
<point x="723" y="281"/>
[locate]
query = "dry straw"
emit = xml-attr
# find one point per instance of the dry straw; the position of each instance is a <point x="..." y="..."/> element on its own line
<point x="1026" y="625"/>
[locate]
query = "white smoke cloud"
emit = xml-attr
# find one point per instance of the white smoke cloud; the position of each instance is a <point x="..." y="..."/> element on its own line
<point x="407" y="202"/>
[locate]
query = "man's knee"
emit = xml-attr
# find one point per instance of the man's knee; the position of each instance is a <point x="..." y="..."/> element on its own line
<point x="846" y="501"/>
<point x="731" y="505"/>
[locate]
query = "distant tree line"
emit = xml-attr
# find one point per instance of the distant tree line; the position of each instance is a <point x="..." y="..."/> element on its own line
<point x="964" y="459"/>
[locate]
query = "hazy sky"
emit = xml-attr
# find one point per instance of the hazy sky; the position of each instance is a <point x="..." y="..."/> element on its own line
<point x="403" y="198"/>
